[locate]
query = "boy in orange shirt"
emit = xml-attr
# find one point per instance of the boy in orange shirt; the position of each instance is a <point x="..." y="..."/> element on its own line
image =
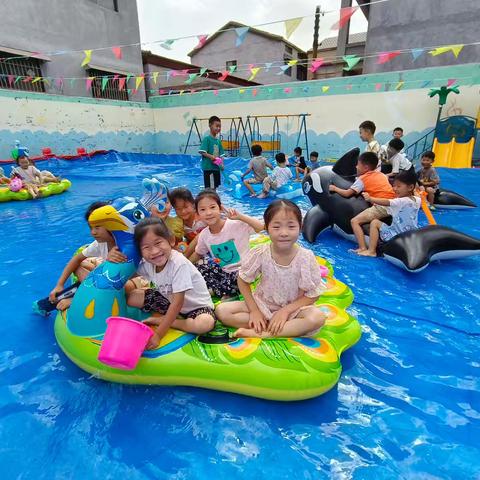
<point x="374" y="183"/>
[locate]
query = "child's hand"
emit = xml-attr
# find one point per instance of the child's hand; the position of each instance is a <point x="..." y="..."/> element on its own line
<point x="53" y="294"/>
<point x="231" y="213"/>
<point x="257" y="322"/>
<point x="278" y="321"/>
<point x="366" y="196"/>
<point x="116" y="256"/>
<point x="162" y="215"/>
<point x="153" y="342"/>
<point x="332" y="188"/>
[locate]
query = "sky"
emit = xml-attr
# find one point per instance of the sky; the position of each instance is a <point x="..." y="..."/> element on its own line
<point x="165" y="19"/>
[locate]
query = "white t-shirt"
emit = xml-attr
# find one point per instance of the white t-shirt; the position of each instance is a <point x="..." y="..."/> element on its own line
<point x="178" y="275"/>
<point x="28" y="175"/>
<point x="229" y="246"/>
<point x="400" y="162"/>
<point x="96" y="249"/>
<point x="281" y="175"/>
<point x="404" y="212"/>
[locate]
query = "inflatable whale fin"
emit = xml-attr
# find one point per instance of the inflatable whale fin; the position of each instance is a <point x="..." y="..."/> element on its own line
<point x="448" y="199"/>
<point x="414" y="250"/>
<point x="316" y="220"/>
<point x="346" y="166"/>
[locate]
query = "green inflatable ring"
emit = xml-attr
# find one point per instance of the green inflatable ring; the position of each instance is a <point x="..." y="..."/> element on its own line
<point x="47" y="190"/>
<point x="276" y="369"/>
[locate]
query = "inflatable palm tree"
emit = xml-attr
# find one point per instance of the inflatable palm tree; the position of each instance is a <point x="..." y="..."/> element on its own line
<point x="442" y="93"/>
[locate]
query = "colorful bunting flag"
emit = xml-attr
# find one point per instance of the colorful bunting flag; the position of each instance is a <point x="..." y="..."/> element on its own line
<point x="241" y="34"/>
<point x="104" y="82"/>
<point x="167" y="44"/>
<point x="46" y="80"/>
<point x="35" y="80"/>
<point x="202" y="71"/>
<point x="181" y="92"/>
<point x="155" y="77"/>
<point x="455" y="49"/>
<point x="121" y="83"/>
<point x="416" y="52"/>
<point x="139" y="80"/>
<point x="291" y="25"/>
<point x="169" y="74"/>
<point x="232" y="68"/>
<point x="117" y="51"/>
<point x="17" y="79"/>
<point x="316" y="64"/>
<point x="11" y="78"/>
<point x="254" y="72"/>
<point x="191" y="78"/>
<point x="223" y="76"/>
<point x="399" y="85"/>
<point x="88" y="57"/>
<point x="129" y="76"/>
<point x="291" y="63"/>
<point x="27" y="79"/>
<point x="283" y="69"/>
<point x="161" y="91"/>
<point x="351" y="61"/>
<point x="268" y="66"/>
<point x="345" y="14"/>
<point x="59" y="82"/>
<point x="385" y="57"/>
<point x="325" y="89"/>
<point x="451" y="81"/>
<point x="88" y="83"/>
<point x="201" y="41"/>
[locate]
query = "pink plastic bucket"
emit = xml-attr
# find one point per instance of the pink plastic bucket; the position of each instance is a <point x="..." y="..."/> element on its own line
<point x="124" y="342"/>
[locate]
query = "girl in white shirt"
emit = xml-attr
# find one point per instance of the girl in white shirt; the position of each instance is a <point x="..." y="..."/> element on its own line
<point x="31" y="176"/>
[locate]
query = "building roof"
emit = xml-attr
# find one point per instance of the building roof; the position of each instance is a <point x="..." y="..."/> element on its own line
<point x="170" y="63"/>
<point x="331" y="42"/>
<point x="232" y="24"/>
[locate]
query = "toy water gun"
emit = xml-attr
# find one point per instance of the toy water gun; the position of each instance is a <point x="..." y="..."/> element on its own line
<point x="219" y="162"/>
<point x="45" y="306"/>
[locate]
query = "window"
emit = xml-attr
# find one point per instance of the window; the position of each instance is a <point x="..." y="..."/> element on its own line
<point x="288" y="50"/>
<point x="301" y="72"/>
<point x="231" y="63"/>
<point x="111" y="90"/>
<point x="17" y="73"/>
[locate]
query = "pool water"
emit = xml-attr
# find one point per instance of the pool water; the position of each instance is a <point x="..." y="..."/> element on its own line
<point x="407" y="404"/>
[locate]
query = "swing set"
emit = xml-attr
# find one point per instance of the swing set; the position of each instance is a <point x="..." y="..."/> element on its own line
<point x="241" y="135"/>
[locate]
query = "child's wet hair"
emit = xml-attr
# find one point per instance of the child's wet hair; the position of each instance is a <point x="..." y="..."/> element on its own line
<point x="92" y="207"/>
<point x="407" y="177"/>
<point x="396" y="144"/>
<point x="369" y="159"/>
<point x="208" y="193"/>
<point x="314" y="154"/>
<point x="429" y="154"/>
<point x="213" y="119"/>
<point x="278" y="205"/>
<point x="280" y="157"/>
<point x="297" y="150"/>
<point x="256" y="150"/>
<point x="180" y="193"/>
<point x="368" y="125"/>
<point x="154" y="224"/>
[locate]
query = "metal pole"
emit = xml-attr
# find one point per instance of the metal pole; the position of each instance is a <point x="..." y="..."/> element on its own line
<point x="315" y="32"/>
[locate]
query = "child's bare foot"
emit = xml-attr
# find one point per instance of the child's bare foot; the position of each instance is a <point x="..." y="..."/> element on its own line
<point x="298" y="180"/>
<point x="357" y="250"/>
<point x="64" y="304"/>
<point x="262" y="195"/>
<point x="252" y="195"/>
<point x="367" y="253"/>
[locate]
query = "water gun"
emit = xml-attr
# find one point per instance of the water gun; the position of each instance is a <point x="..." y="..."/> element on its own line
<point x="219" y="162"/>
<point x="45" y="306"/>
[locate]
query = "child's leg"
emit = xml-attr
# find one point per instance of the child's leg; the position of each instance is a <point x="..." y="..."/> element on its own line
<point x="221" y="283"/>
<point x="297" y="173"/>
<point x="233" y="314"/>
<point x="267" y="185"/>
<point x="136" y="298"/>
<point x="307" y="322"/>
<point x="200" y="321"/>
<point x="375" y="226"/>
<point x="356" y="223"/>
<point x="430" y="195"/>
<point x="248" y="186"/>
<point x="29" y="188"/>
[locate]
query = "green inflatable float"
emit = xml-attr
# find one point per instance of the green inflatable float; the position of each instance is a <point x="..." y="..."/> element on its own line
<point x="47" y="190"/>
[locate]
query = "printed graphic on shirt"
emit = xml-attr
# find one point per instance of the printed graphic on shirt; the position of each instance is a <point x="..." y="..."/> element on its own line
<point x="226" y="252"/>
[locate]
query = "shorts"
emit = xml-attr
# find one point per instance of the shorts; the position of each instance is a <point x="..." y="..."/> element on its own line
<point x="376" y="212"/>
<point x="211" y="178"/>
<point x="156" y="302"/>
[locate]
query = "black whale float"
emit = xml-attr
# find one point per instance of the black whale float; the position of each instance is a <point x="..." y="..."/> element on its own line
<point x="412" y="250"/>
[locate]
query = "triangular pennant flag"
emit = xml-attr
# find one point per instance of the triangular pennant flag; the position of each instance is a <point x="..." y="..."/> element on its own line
<point x="416" y="52"/>
<point x="325" y="89"/>
<point x="35" y="80"/>
<point x="232" y="68"/>
<point x="27" y="79"/>
<point x="88" y="57"/>
<point x="139" y="80"/>
<point x="167" y="44"/>
<point x="291" y="25"/>
<point x="46" y="80"/>
<point x="155" y="77"/>
<point x="451" y="81"/>
<point x="59" y="82"/>
<point x="283" y="69"/>
<point x="169" y="74"/>
<point x="254" y="92"/>
<point x="223" y="76"/>
<point x="129" y="91"/>
<point x="161" y="91"/>
<point x="316" y="64"/>
<point x="202" y="71"/>
<point x="385" y="57"/>
<point x="11" y="78"/>
<point x="287" y="90"/>
<point x="268" y="66"/>
<point x="121" y="83"/>
<point x="152" y="91"/>
<point x="104" y="82"/>
<point x="18" y="79"/>
<point x="241" y="34"/>
<point x="378" y="86"/>
<point x="191" y="78"/>
<point x="351" y="61"/>
<point x="291" y="63"/>
<point x="399" y="85"/>
<point x="117" y="51"/>
<point x="88" y="83"/>
<point x="254" y="72"/>
<point x="455" y="49"/>
<point x="345" y="14"/>
<point x="201" y="41"/>
<point x="181" y="92"/>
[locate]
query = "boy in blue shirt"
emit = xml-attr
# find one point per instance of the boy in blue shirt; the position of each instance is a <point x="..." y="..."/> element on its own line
<point x="211" y="149"/>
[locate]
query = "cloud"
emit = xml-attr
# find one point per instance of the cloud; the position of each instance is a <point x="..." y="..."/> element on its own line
<point x="161" y="20"/>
